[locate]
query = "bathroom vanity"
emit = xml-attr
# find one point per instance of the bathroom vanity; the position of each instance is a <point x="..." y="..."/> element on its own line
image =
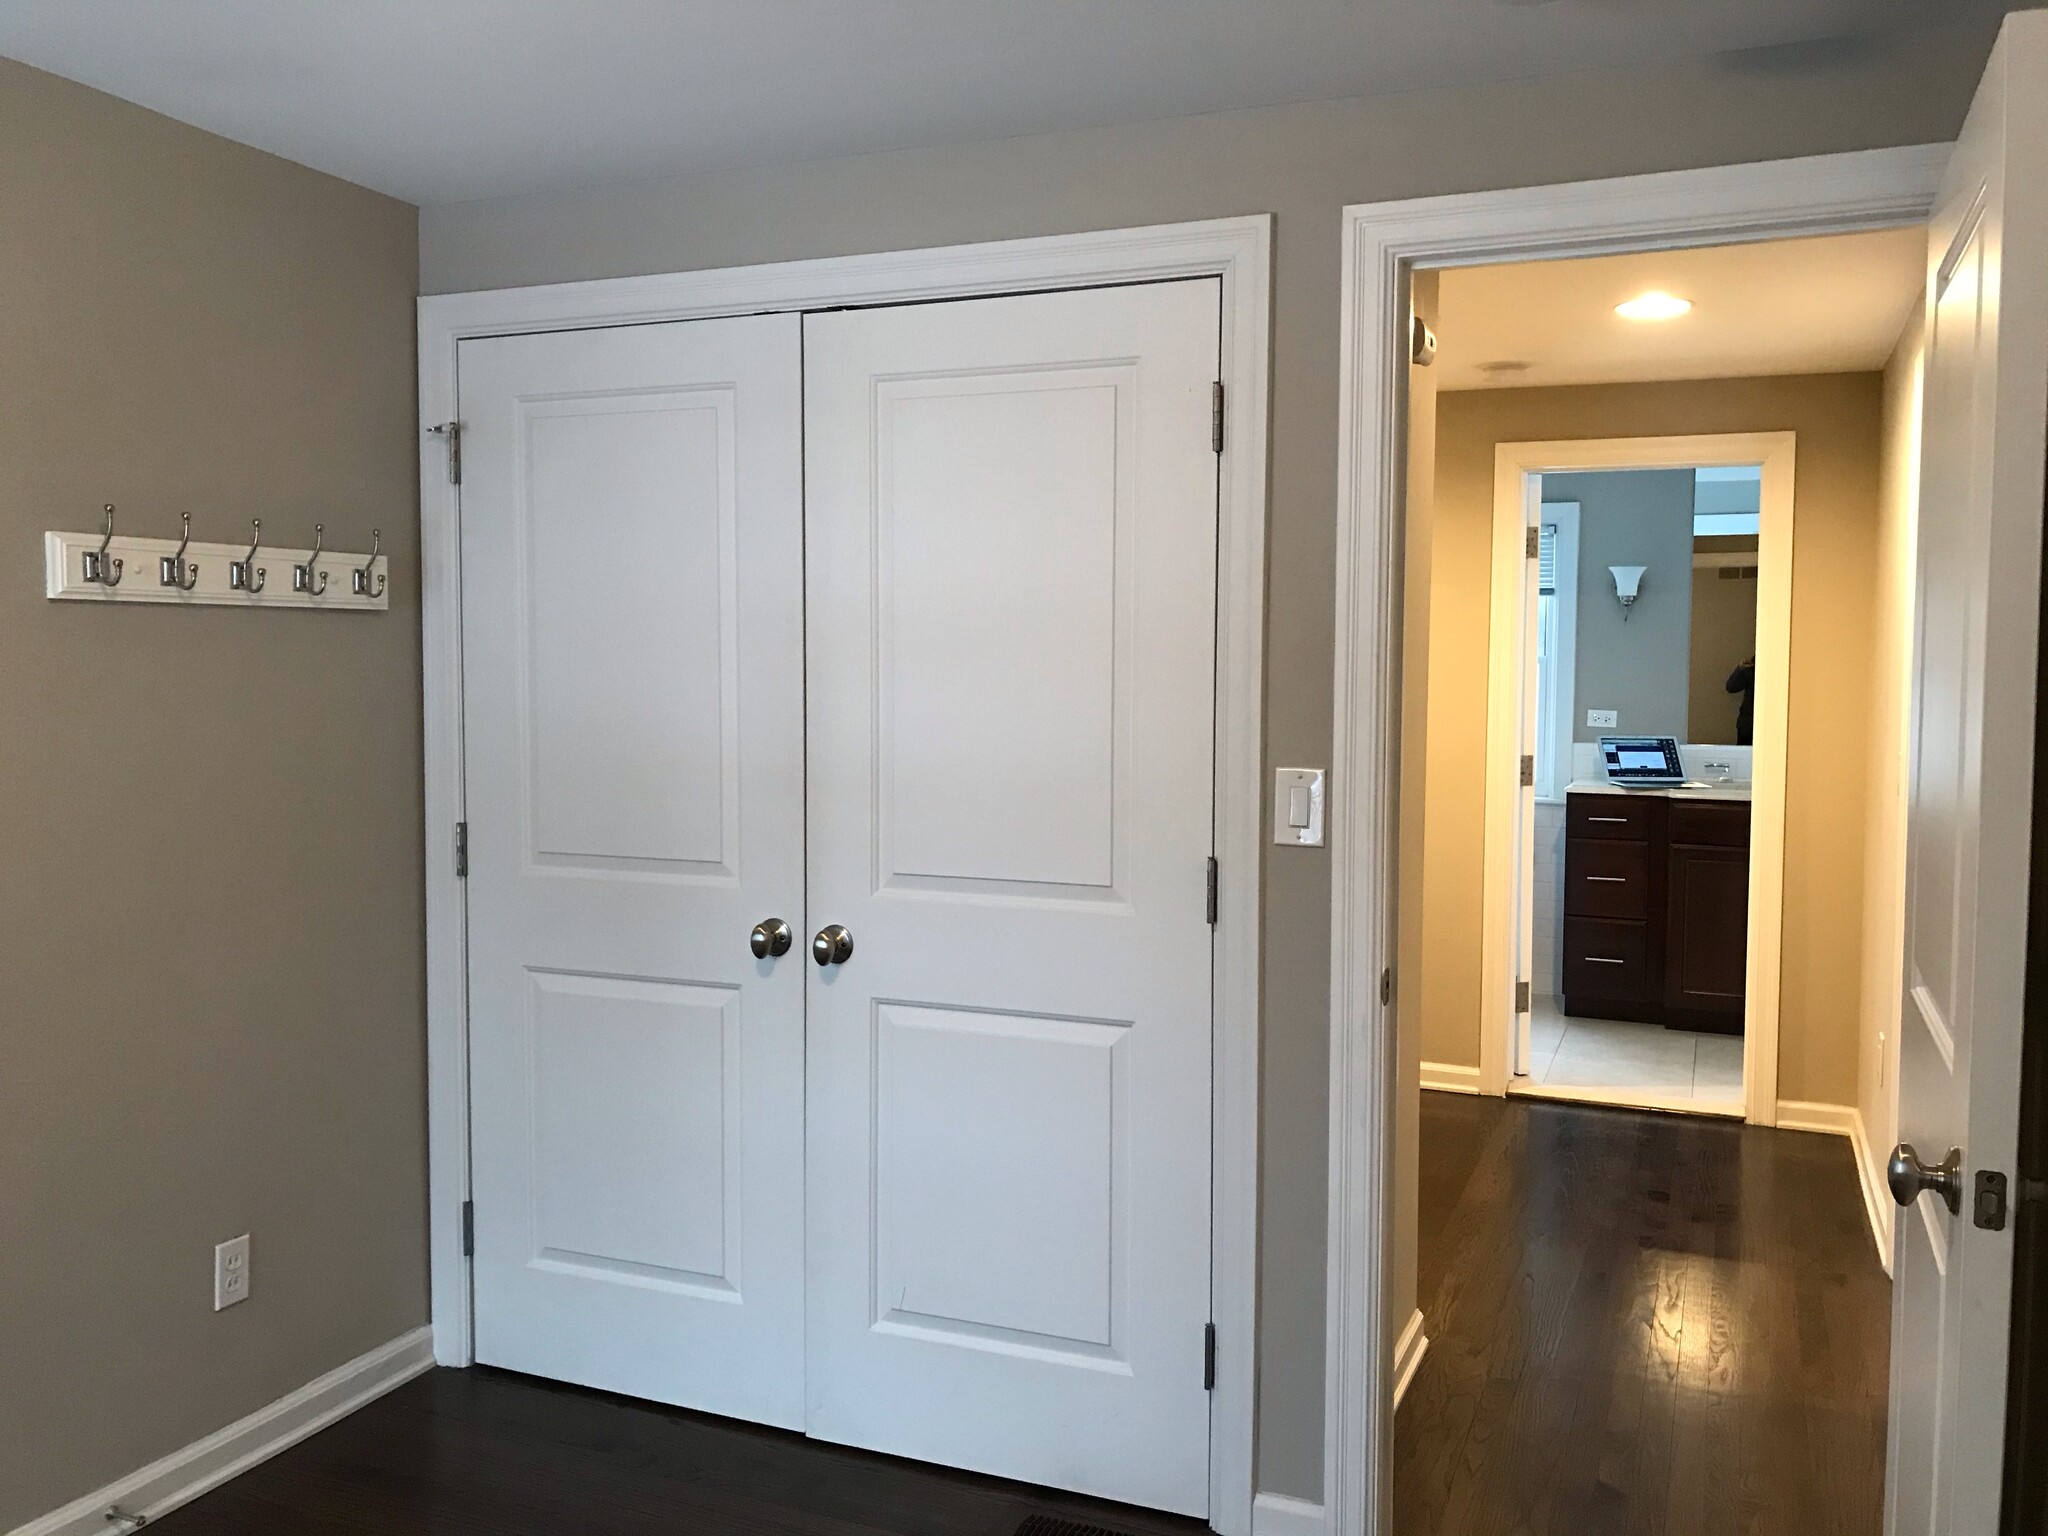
<point x="1656" y="905"/>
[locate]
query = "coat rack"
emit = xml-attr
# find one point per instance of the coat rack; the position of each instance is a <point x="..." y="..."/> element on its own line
<point x="106" y="567"/>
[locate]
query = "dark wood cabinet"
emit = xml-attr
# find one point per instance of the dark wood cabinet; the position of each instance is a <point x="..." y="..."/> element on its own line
<point x="1656" y="910"/>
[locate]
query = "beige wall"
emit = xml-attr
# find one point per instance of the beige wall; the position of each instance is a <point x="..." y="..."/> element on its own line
<point x="1891" y="658"/>
<point x="210" y="925"/>
<point x="1837" y="420"/>
<point x="1303" y="164"/>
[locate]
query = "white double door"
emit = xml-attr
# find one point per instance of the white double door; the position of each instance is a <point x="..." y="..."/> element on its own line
<point x="901" y="621"/>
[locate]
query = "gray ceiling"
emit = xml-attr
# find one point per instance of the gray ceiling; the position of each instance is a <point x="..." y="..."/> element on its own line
<point x="448" y="100"/>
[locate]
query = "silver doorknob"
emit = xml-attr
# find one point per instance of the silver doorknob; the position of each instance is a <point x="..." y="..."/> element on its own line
<point x="832" y="946"/>
<point x="770" y="939"/>
<point x="1910" y="1178"/>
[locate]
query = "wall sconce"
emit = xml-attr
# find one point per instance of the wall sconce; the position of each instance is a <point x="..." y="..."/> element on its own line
<point x="1628" y="582"/>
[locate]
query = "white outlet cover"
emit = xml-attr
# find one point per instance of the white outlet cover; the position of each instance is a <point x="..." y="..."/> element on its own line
<point x="1596" y="718"/>
<point x="230" y="1272"/>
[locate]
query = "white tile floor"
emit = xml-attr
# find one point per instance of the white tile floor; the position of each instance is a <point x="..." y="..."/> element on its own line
<point x="1609" y="1053"/>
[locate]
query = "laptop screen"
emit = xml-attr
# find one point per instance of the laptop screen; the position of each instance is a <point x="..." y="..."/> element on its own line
<point x="1642" y="759"/>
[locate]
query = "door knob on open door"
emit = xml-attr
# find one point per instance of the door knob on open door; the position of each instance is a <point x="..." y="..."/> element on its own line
<point x="1909" y="1177"/>
<point x="770" y="939"/>
<point x="832" y="946"/>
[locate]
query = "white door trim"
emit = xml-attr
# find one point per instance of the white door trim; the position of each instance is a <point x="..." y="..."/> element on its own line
<point x="1515" y="489"/>
<point x="1383" y="243"/>
<point x="1238" y="251"/>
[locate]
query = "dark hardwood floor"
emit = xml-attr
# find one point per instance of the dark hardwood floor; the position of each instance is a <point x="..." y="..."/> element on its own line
<point x="1641" y="1323"/>
<point x="486" y="1453"/>
<point x="1649" y="1325"/>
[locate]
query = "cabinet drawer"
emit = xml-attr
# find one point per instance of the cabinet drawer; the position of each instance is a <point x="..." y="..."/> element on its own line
<point x="1607" y="816"/>
<point x="1607" y="959"/>
<point x="1710" y="823"/>
<point x="1606" y="878"/>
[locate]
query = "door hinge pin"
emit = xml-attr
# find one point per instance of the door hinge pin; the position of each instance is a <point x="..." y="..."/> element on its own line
<point x="1533" y="545"/>
<point x="452" y="431"/>
<point x="462" y="850"/>
<point x="468" y="1229"/>
<point x="1209" y="1358"/>
<point x="1213" y="873"/>
<point x="1528" y="771"/>
<point x="1216" y="416"/>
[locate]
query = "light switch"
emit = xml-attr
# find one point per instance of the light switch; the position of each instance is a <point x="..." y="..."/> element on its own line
<point x="1298" y="807"/>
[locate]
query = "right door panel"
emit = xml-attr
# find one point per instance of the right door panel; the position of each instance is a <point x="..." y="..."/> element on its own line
<point x="1010" y="574"/>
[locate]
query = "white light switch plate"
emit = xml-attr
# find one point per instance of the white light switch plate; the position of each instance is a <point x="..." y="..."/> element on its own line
<point x="1298" y="807"/>
<point x="1597" y="718"/>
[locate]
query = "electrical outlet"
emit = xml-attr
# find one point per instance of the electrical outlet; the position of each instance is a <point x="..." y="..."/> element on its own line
<point x="1598" y="718"/>
<point x="230" y="1272"/>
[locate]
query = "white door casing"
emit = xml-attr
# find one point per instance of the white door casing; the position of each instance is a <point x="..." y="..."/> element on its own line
<point x="1011" y="633"/>
<point x="632" y="608"/>
<point x="1977" y="607"/>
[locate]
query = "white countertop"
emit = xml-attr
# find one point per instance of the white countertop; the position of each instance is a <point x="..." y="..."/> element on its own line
<point x="1728" y="791"/>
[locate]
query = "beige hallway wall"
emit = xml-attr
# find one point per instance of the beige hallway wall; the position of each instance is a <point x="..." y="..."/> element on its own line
<point x="1837" y="419"/>
<point x="210" y="925"/>
<point x="1302" y="164"/>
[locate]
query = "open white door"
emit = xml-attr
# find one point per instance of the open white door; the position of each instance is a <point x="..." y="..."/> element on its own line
<point x="1968" y="821"/>
<point x="1519" y="1043"/>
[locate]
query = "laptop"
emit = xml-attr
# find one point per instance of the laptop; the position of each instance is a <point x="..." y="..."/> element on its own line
<point x="1642" y="762"/>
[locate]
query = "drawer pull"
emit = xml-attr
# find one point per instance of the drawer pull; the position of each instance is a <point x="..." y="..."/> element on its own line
<point x="1615" y="820"/>
<point x="1602" y="960"/>
<point x="1609" y="879"/>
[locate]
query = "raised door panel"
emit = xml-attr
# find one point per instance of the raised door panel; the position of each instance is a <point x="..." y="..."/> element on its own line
<point x="1706" y="949"/>
<point x="1010" y="561"/>
<point x="632" y="667"/>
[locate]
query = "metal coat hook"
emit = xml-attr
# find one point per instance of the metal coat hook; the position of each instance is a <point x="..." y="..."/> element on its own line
<point x="174" y="570"/>
<point x="302" y="575"/>
<point x="364" y="571"/>
<point x="245" y="575"/>
<point x="99" y="565"/>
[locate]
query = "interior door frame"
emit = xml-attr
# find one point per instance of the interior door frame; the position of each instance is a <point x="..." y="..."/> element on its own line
<point x="1517" y="491"/>
<point x="1239" y="252"/>
<point x="1383" y="244"/>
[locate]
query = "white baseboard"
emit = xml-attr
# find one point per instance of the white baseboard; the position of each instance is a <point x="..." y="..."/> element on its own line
<point x="205" y="1464"/>
<point x="1408" y="1352"/>
<point x="1445" y="1078"/>
<point x="1276" y="1514"/>
<point x="1847" y="1120"/>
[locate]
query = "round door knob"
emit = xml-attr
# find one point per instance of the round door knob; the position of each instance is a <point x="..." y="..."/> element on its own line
<point x="770" y="939"/>
<point x="832" y="946"/>
<point x="1910" y="1178"/>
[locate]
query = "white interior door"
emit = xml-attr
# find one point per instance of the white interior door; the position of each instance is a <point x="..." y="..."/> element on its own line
<point x="1530" y="658"/>
<point x="1011" y="578"/>
<point x="633" y="742"/>
<point x="1986" y="399"/>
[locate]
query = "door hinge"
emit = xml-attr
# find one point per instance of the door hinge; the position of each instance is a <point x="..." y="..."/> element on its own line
<point x="1521" y="997"/>
<point x="468" y="1229"/>
<point x="452" y="431"/>
<point x="1209" y="1358"/>
<point x="1987" y="1209"/>
<point x="1216" y="416"/>
<point x="1386" y="986"/>
<point x="1528" y="771"/>
<point x="1212" y="891"/>
<point x="462" y="850"/>
<point x="1533" y="545"/>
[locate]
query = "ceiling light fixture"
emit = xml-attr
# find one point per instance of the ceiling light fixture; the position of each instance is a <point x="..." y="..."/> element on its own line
<point x="1654" y="305"/>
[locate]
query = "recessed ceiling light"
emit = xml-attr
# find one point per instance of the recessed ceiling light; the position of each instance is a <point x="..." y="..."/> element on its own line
<point x="1654" y="305"/>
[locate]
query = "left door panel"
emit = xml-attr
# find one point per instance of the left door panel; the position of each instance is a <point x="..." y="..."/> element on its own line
<point x="632" y="527"/>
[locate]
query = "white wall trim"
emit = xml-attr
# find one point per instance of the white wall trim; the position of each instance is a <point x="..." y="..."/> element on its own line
<point x="1239" y="252"/>
<point x="1847" y="1120"/>
<point x="1517" y="499"/>
<point x="185" y="1474"/>
<point x="1408" y="1352"/>
<point x="1383" y="244"/>
<point x="1277" y="1514"/>
<point x="1446" y="1077"/>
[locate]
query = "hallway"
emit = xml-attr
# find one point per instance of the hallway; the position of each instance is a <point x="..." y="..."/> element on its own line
<point x="1641" y="1323"/>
